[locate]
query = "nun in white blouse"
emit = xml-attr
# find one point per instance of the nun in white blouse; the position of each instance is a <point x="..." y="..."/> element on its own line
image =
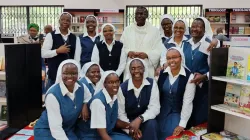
<point x="108" y="53"/>
<point x="90" y="76"/>
<point x="139" y="102"/>
<point x="64" y="102"/>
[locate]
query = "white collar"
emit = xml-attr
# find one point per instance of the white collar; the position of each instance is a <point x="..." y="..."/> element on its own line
<point x="88" y="80"/>
<point x="86" y="34"/>
<point x="65" y="90"/>
<point x="173" y="42"/>
<point x="107" y="96"/>
<point x="131" y="85"/>
<point x="182" y="71"/>
<point x="113" y="42"/>
<point x="59" y="32"/>
<point x="163" y="35"/>
<point x="192" y="42"/>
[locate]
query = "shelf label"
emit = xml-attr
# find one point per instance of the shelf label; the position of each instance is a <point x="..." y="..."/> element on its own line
<point x="240" y="39"/>
<point x="241" y="10"/>
<point x="109" y="10"/>
<point x="217" y="10"/>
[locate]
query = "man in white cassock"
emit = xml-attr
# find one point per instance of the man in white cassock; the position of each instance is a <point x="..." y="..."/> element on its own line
<point x="142" y="40"/>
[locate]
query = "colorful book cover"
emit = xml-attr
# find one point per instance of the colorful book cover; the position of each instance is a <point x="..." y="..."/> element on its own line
<point x="248" y="69"/>
<point x="232" y="95"/>
<point x="245" y="99"/>
<point x="212" y="136"/>
<point x="185" y="135"/>
<point x="236" y="63"/>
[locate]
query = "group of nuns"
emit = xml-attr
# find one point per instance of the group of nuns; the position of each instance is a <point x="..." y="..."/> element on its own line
<point x="90" y="100"/>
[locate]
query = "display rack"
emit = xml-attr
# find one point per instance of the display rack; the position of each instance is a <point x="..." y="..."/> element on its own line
<point x="220" y="116"/>
<point x="239" y="22"/>
<point x="113" y="16"/>
<point x="235" y="22"/>
<point x="218" y="19"/>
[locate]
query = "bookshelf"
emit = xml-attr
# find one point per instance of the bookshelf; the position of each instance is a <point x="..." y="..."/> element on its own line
<point x="219" y="18"/>
<point x="220" y="116"/>
<point x="235" y="22"/>
<point x="113" y="16"/>
<point x="239" y="22"/>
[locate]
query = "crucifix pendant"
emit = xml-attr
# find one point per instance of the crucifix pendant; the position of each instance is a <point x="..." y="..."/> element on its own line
<point x="138" y="106"/>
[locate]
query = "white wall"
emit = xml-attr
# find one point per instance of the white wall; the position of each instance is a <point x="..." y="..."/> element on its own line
<point x="97" y="4"/>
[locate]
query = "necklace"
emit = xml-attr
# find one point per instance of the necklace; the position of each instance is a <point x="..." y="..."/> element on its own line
<point x="139" y="100"/>
<point x="170" y="88"/>
<point x="193" y="54"/>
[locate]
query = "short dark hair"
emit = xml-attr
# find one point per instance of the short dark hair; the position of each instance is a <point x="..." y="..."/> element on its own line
<point x="142" y="8"/>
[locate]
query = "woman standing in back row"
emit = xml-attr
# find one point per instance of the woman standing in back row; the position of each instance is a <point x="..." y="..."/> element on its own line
<point x="59" y="45"/>
<point x="88" y="40"/>
<point x="108" y="53"/>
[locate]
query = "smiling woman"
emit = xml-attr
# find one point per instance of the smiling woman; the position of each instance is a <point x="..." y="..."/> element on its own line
<point x="108" y="53"/>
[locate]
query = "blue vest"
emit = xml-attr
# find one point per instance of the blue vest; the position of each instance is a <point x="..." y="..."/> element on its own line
<point x="107" y="61"/>
<point x="54" y="62"/>
<point x="111" y="117"/>
<point x="87" y="48"/>
<point x="170" y="45"/>
<point x="171" y="102"/>
<point x="199" y="62"/>
<point x="67" y="109"/>
<point x="131" y="102"/>
<point x="88" y="85"/>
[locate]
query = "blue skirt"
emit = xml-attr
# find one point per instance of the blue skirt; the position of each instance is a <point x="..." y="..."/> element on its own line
<point x="113" y="135"/>
<point x="45" y="134"/>
<point x="168" y="124"/>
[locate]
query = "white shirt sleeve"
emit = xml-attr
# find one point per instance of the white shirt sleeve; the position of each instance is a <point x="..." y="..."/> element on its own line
<point x="122" y="115"/>
<point x="154" y="104"/>
<point x="163" y="59"/>
<point x="47" y="46"/>
<point x="78" y="50"/>
<point x="95" y="56"/>
<point x="122" y="64"/>
<point x="55" y="118"/>
<point x="187" y="105"/>
<point x="87" y="94"/>
<point x="98" y="114"/>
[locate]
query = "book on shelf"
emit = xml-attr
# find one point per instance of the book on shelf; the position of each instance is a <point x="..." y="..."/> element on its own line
<point x="237" y="63"/>
<point x="245" y="100"/>
<point x="232" y="95"/>
<point x="223" y="135"/>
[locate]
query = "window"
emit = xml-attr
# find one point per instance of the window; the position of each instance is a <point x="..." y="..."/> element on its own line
<point x="187" y="12"/>
<point x="15" y="19"/>
<point x="155" y="13"/>
<point x="45" y="16"/>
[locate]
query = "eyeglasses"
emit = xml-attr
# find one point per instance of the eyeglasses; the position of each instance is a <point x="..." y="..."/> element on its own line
<point x="173" y="58"/>
<point x="70" y="74"/>
<point x="178" y="28"/>
<point x="113" y="82"/>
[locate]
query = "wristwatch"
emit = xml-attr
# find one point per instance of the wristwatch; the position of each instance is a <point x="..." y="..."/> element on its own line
<point x="141" y="118"/>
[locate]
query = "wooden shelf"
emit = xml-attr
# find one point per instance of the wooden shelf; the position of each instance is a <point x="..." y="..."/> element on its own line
<point x="239" y="34"/>
<point x="243" y="23"/>
<point x="217" y="23"/>
<point x="231" y="80"/>
<point x="228" y="110"/>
